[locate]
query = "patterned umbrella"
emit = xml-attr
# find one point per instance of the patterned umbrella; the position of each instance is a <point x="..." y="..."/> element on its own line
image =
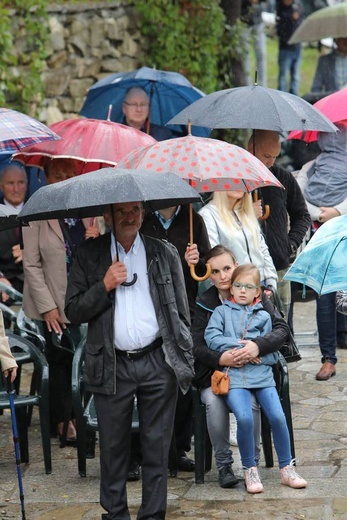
<point x="208" y="164"/>
<point x="18" y="130"/>
<point x="92" y="143"/>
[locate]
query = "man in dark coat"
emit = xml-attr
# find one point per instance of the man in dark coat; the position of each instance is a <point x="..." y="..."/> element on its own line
<point x="289" y="219"/>
<point x="138" y="344"/>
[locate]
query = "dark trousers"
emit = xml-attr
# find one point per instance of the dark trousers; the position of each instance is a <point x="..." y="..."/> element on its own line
<point x="60" y="366"/>
<point x="155" y="385"/>
<point x="329" y="323"/>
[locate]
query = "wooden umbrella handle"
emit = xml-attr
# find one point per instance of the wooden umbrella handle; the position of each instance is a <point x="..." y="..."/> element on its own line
<point x="266" y="207"/>
<point x="191" y="241"/>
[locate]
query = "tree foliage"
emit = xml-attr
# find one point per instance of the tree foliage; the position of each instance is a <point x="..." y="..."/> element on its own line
<point x="23" y="39"/>
<point x="183" y="36"/>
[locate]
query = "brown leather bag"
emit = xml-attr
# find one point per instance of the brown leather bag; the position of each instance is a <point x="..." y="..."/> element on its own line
<point x="220" y="382"/>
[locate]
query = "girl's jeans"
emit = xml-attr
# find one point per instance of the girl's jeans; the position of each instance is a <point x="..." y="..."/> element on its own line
<point x="240" y="401"/>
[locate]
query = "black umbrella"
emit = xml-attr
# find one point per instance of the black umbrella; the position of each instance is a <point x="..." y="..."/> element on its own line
<point x="11" y="392"/>
<point x="256" y="108"/>
<point x="91" y="194"/>
<point x="8" y="217"/>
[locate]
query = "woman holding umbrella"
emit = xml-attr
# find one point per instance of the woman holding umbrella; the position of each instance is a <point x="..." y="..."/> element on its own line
<point x="230" y="220"/>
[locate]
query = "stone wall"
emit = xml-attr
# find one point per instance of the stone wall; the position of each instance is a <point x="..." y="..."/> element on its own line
<point x="87" y="42"/>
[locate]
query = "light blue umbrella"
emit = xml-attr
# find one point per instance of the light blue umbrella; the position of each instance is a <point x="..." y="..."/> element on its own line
<point x="322" y="265"/>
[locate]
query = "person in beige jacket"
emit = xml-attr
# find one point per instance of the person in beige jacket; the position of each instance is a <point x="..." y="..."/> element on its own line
<point x="47" y="256"/>
<point x="7" y="361"/>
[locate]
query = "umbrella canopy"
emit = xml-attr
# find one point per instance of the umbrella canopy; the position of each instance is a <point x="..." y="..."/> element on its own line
<point x="90" y="194"/>
<point x="91" y="143"/>
<point x="208" y="164"/>
<point x="8" y="217"/>
<point x="254" y="107"/>
<point x="169" y="93"/>
<point x="334" y="107"/>
<point x="322" y="264"/>
<point x="18" y="130"/>
<point x="329" y="22"/>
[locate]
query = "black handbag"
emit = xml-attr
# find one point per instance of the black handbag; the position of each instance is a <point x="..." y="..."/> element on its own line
<point x="289" y="350"/>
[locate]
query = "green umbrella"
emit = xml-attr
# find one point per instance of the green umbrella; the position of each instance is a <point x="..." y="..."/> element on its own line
<point x="329" y="22"/>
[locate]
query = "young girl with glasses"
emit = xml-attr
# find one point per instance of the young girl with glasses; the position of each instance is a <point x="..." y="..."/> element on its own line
<point x="231" y="325"/>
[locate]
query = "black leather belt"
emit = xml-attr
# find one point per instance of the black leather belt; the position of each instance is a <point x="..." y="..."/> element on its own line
<point x="137" y="354"/>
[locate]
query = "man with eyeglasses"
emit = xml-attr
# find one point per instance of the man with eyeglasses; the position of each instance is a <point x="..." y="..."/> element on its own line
<point x="136" y="114"/>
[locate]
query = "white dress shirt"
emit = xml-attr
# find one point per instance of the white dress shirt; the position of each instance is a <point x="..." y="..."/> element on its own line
<point x="135" y="322"/>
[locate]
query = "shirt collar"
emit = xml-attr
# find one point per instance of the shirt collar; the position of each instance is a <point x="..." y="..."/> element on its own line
<point x="167" y="223"/>
<point x="19" y="206"/>
<point x="134" y="248"/>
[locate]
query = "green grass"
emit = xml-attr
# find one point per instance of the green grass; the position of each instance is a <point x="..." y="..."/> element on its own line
<point x="308" y="65"/>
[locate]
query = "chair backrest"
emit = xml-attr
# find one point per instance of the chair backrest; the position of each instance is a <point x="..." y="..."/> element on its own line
<point x="16" y="296"/>
<point x="27" y="328"/>
<point x="22" y="347"/>
<point x="25" y="351"/>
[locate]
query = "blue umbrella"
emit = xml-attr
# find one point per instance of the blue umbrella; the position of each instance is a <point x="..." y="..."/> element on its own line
<point x="322" y="264"/>
<point x="169" y="94"/>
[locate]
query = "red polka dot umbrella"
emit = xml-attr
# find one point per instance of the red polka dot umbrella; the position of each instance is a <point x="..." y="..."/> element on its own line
<point x="207" y="164"/>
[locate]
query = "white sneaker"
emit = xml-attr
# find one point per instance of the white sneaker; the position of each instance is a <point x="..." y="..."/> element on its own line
<point x="289" y="477"/>
<point x="233" y="431"/>
<point x="252" y="481"/>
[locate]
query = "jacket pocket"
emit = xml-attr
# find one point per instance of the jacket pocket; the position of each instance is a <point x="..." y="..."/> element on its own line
<point x="94" y="364"/>
<point x="165" y="288"/>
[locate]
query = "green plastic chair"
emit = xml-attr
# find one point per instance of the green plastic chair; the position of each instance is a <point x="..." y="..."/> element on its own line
<point x="25" y="351"/>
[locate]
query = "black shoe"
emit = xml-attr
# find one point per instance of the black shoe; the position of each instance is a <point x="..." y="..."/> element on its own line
<point x="133" y="472"/>
<point x="69" y="441"/>
<point x="341" y="339"/>
<point x="184" y="463"/>
<point x="227" y="478"/>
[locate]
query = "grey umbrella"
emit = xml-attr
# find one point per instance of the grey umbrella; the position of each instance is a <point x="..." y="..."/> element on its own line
<point x="8" y="217"/>
<point x="329" y="22"/>
<point x="256" y="108"/>
<point x="91" y="194"/>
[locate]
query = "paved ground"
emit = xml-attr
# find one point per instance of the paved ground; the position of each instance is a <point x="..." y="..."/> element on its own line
<point x="320" y="419"/>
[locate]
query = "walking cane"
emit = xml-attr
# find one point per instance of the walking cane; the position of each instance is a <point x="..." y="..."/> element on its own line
<point x="11" y="392"/>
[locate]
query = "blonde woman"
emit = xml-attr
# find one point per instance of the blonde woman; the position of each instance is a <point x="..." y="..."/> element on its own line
<point x="230" y="220"/>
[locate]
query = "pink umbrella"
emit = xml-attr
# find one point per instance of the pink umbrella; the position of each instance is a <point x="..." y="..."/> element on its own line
<point x="91" y="143"/>
<point x="334" y="107"/>
<point x="207" y="164"/>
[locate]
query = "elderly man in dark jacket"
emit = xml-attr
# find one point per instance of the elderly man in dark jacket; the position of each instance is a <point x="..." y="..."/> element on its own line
<point x="138" y="344"/>
<point x="289" y="219"/>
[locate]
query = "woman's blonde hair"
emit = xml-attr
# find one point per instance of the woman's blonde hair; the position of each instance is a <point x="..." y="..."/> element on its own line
<point x="245" y="213"/>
